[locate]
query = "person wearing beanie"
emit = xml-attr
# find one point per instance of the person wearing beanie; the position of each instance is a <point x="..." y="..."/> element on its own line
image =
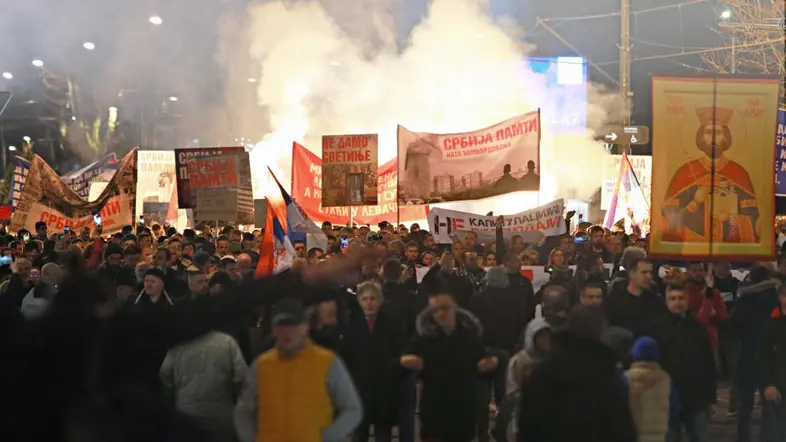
<point x="153" y="297"/>
<point x="651" y="395"/>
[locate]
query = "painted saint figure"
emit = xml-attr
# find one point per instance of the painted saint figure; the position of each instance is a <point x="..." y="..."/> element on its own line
<point x="697" y="210"/>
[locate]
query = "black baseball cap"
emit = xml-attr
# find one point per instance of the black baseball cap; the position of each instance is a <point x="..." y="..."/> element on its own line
<point x="289" y="311"/>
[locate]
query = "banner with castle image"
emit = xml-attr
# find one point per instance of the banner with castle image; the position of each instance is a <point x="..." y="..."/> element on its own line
<point x="713" y="180"/>
<point x="499" y="159"/>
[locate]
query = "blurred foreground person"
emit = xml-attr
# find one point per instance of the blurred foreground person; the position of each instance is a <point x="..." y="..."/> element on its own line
<point x="586" y="394"/>
<point x="88" y="372"/>
<point x="772" y="369"/>
<point x="298" y="391"/>
<point x="537" y="341"/>
<point x="651" y="394"/>
<point x="204" y="378"/>
<point x="448" y="353"/>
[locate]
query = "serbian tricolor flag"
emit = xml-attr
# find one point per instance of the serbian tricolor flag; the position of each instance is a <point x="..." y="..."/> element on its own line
<point x="275" y="252"/>
<point x="628" y="202"/>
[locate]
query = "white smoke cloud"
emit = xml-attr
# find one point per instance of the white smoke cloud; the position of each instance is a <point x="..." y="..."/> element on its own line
<point x="330" y="70"/>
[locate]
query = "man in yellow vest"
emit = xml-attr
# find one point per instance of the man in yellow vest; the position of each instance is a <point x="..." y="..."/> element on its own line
<point x="298" y="391"/>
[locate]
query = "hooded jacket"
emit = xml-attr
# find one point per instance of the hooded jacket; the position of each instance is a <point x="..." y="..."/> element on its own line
<point x="448" y="403"/>
<point x="651" y="394"/>
<point x="751" y="311"/>
<point x="522" y="363"/>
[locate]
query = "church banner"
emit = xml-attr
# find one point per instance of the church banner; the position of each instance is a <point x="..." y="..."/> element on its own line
<point x="46" y="197"/>
<point x="467" y="166"/>
<point x="780" y="155"/>
<point x="307" y="192"/>
<point x="713" y="182"/>
<point x="532" y="225"/>
<point x="349" y="170"/>
<point x="215" y="168"/>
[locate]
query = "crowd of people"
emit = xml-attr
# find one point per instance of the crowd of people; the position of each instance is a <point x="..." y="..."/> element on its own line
<point x="154" y="334"/>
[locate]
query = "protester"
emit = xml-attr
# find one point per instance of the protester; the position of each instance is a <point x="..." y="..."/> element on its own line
<point x="651" y="393"/>
<point x="591" y="407"/>
<point x="204" y="378"/>
<point x="686" y="354"/>
<point x="297" y="391"/>
<point x="772" y="372"/>
<point x="637" y="307"/>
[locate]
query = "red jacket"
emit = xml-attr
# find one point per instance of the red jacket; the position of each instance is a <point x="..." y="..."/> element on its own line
<point x="702" y="308"/>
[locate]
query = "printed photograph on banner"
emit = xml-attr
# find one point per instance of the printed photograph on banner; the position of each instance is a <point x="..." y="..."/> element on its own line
<point x="713" y="180"/>
<point x="154" y="212"/>
<point x="46" y="197"/>
<point x="642" y="167"/>
<point x="215" y="168"/>
<point x="466" y="166"/>
<point x="780" y="155"/>
<point x="307" y="192"/>
<point x="155" y="182"/>
<point x="349" y="170"/>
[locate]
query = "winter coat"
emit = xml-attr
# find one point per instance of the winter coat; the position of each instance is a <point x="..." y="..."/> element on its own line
<point x="772" y="354"/>
<point x="701" y="307"/>
<point x="634" y="313"/>
<point x="403" y="302"/>
<point x="523" y="362"/>
<point x="585" y="391"/>
<point x="649" y="388"/>
<point x="501" y="316"/>
<point x="205" y="377"/>
<point x="142" y="303"/>
<point x="686" y="354"/>
<point x="372" y="358"/>
<point x="448" y="401"/>
<point x="751" y="310"/>
<point x="38" y="300"/>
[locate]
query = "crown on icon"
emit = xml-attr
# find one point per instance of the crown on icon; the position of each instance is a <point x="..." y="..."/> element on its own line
<point x="722" y="115"/>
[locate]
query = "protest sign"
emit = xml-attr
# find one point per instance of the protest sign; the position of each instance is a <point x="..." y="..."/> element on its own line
<point x="46" y="197"/>
<point x="642" y="167"/>
<point x="215" y="168"/>
<point x="499" y="159"/>
<point x="78" y="181"/>
<point x="349" y="175"/>
<point x="307" y="192"/>
<point x="216" y="205"/>
<point x="533" y="225"/>
<point x="156" y="180"/>
<point x="780" y="155"/>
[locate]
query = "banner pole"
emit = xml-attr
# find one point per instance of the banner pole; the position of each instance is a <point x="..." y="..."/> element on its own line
<point x="351" y="223"/>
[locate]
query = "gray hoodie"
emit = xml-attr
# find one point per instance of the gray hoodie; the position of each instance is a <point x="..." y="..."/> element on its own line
<point x="523" y="362"/>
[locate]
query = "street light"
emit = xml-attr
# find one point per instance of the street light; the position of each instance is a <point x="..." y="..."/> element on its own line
<point x="252" y="80"/>
<point x="12" y="148"/>
<point x="7" y="75"/>
<point x="726" y="14"/>
<point x="26" y="139"/>
<point x="173" y="98"/>
<point x="156" y="20"/>
<point x="88" y="45"/>
<point x="38" y="63"/>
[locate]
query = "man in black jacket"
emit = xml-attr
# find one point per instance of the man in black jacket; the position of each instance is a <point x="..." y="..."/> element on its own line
<point x="636" y="307"/>
<point x="772" y="372"/>
<point x="687" y="356"/>
<point x="576" y="393"/>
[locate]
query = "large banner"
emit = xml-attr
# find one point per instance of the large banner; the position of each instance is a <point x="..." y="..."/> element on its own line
<point x="499" y="159"/>
<point x="642" y="167"/>
<point x="207" y="168"/>
<point x="713" y="180"/>
<point x="532" y="225"/>
<point x="349" y="175"/>
<point x="780" y="155"/>
<point x="307" y="192"/>
<point x="46" y="197"/>
<point x="78" y="181"/>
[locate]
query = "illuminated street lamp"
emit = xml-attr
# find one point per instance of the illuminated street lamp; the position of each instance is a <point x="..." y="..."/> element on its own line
<point x="38" y="63"/>
<point x="156" y="20"/>
<point x="726" y="14"/>
<point x="88" y="45"/>
<point x="173" y="98"/>
<point x="7" y="75"/>
<point x="12" y="148"/>
<point x="26" y="138"/>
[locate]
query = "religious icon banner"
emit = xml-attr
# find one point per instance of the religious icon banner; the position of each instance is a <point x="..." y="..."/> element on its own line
<point x="503" y="158"/>
<point x="713" y="184"/>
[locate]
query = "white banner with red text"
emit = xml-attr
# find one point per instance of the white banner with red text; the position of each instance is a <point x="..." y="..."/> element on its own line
<point x="499" y="159"/>
<point x="532" y="225"/>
